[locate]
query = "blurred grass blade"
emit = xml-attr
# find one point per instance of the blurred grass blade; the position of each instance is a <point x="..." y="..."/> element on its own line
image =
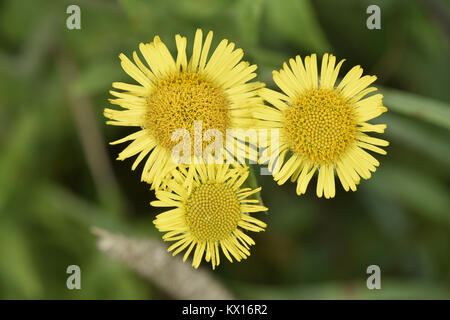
<point x="18" y="276"/>
<point x="15" y="152"/>
<point x="413" y="105"/>
<point x="419" y="191"/>
<point x="252" y="182"/>
<point x="391" y="289"/>
<point x="415" y="134"/>
<point x="97" y="77"/>
<point x="387" y="213"/>
<point x="248" y="17"/>
<point x="295" y="21"/>
<point x="56" y="198"/>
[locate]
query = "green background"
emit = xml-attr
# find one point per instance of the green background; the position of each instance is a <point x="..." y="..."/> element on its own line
<point x="54" y="85"/>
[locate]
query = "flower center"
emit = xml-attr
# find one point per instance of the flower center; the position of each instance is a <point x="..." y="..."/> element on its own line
<point x="320" y="125"/>
<point x="179" y="100"/>
<point x="212" y="211"/>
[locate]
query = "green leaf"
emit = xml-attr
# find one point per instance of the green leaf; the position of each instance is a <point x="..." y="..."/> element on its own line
<point x="56" y="198"/>
<point x="97" y="77"/>
<point x="248" y="15"/>
<point x="108" y="279"/>
<point x="18" y="278"/>
<point x="14" y="155"/>
<point x="138" y="11"/>
<point x="294" y="20"/>
<point x="391" y="289"/>
<point x="387" y="214"/>
<point x="267" y="61"/>
<point x="412" y="133"/>
<point x="197" y="9"/>
<point x="419" y="191"/>
<point x="416" y="106"/>
<point x="252" y="182"/>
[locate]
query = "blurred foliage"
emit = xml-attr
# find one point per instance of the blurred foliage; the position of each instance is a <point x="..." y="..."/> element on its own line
<point x="313" y="248"/>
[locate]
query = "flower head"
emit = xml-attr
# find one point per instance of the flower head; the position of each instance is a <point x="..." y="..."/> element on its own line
<point x="174" y="93"/>
<point x="211" y="212"/>
<point x="322" y="126"/>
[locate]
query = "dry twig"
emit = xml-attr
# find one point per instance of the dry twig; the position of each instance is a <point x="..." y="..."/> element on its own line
<point x="149" y="258"/>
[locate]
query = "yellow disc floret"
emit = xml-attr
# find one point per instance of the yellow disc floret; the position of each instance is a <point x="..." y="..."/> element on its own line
<point x="180" y="99"/>
<point x="320" y="125"/>
<point x="190" y="97"/>
<point x="212" y="211"/>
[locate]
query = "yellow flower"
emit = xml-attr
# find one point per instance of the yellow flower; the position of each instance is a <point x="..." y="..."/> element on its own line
<point x="173" y="93"/>
<point x="322" y="126"/>
<point x="211" y="212"/>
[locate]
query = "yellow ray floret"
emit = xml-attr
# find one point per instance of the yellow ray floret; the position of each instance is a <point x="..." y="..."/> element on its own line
<point x="322" y="126"/>
<point x="172" y="93"/>
<point x="211" y="213"/>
